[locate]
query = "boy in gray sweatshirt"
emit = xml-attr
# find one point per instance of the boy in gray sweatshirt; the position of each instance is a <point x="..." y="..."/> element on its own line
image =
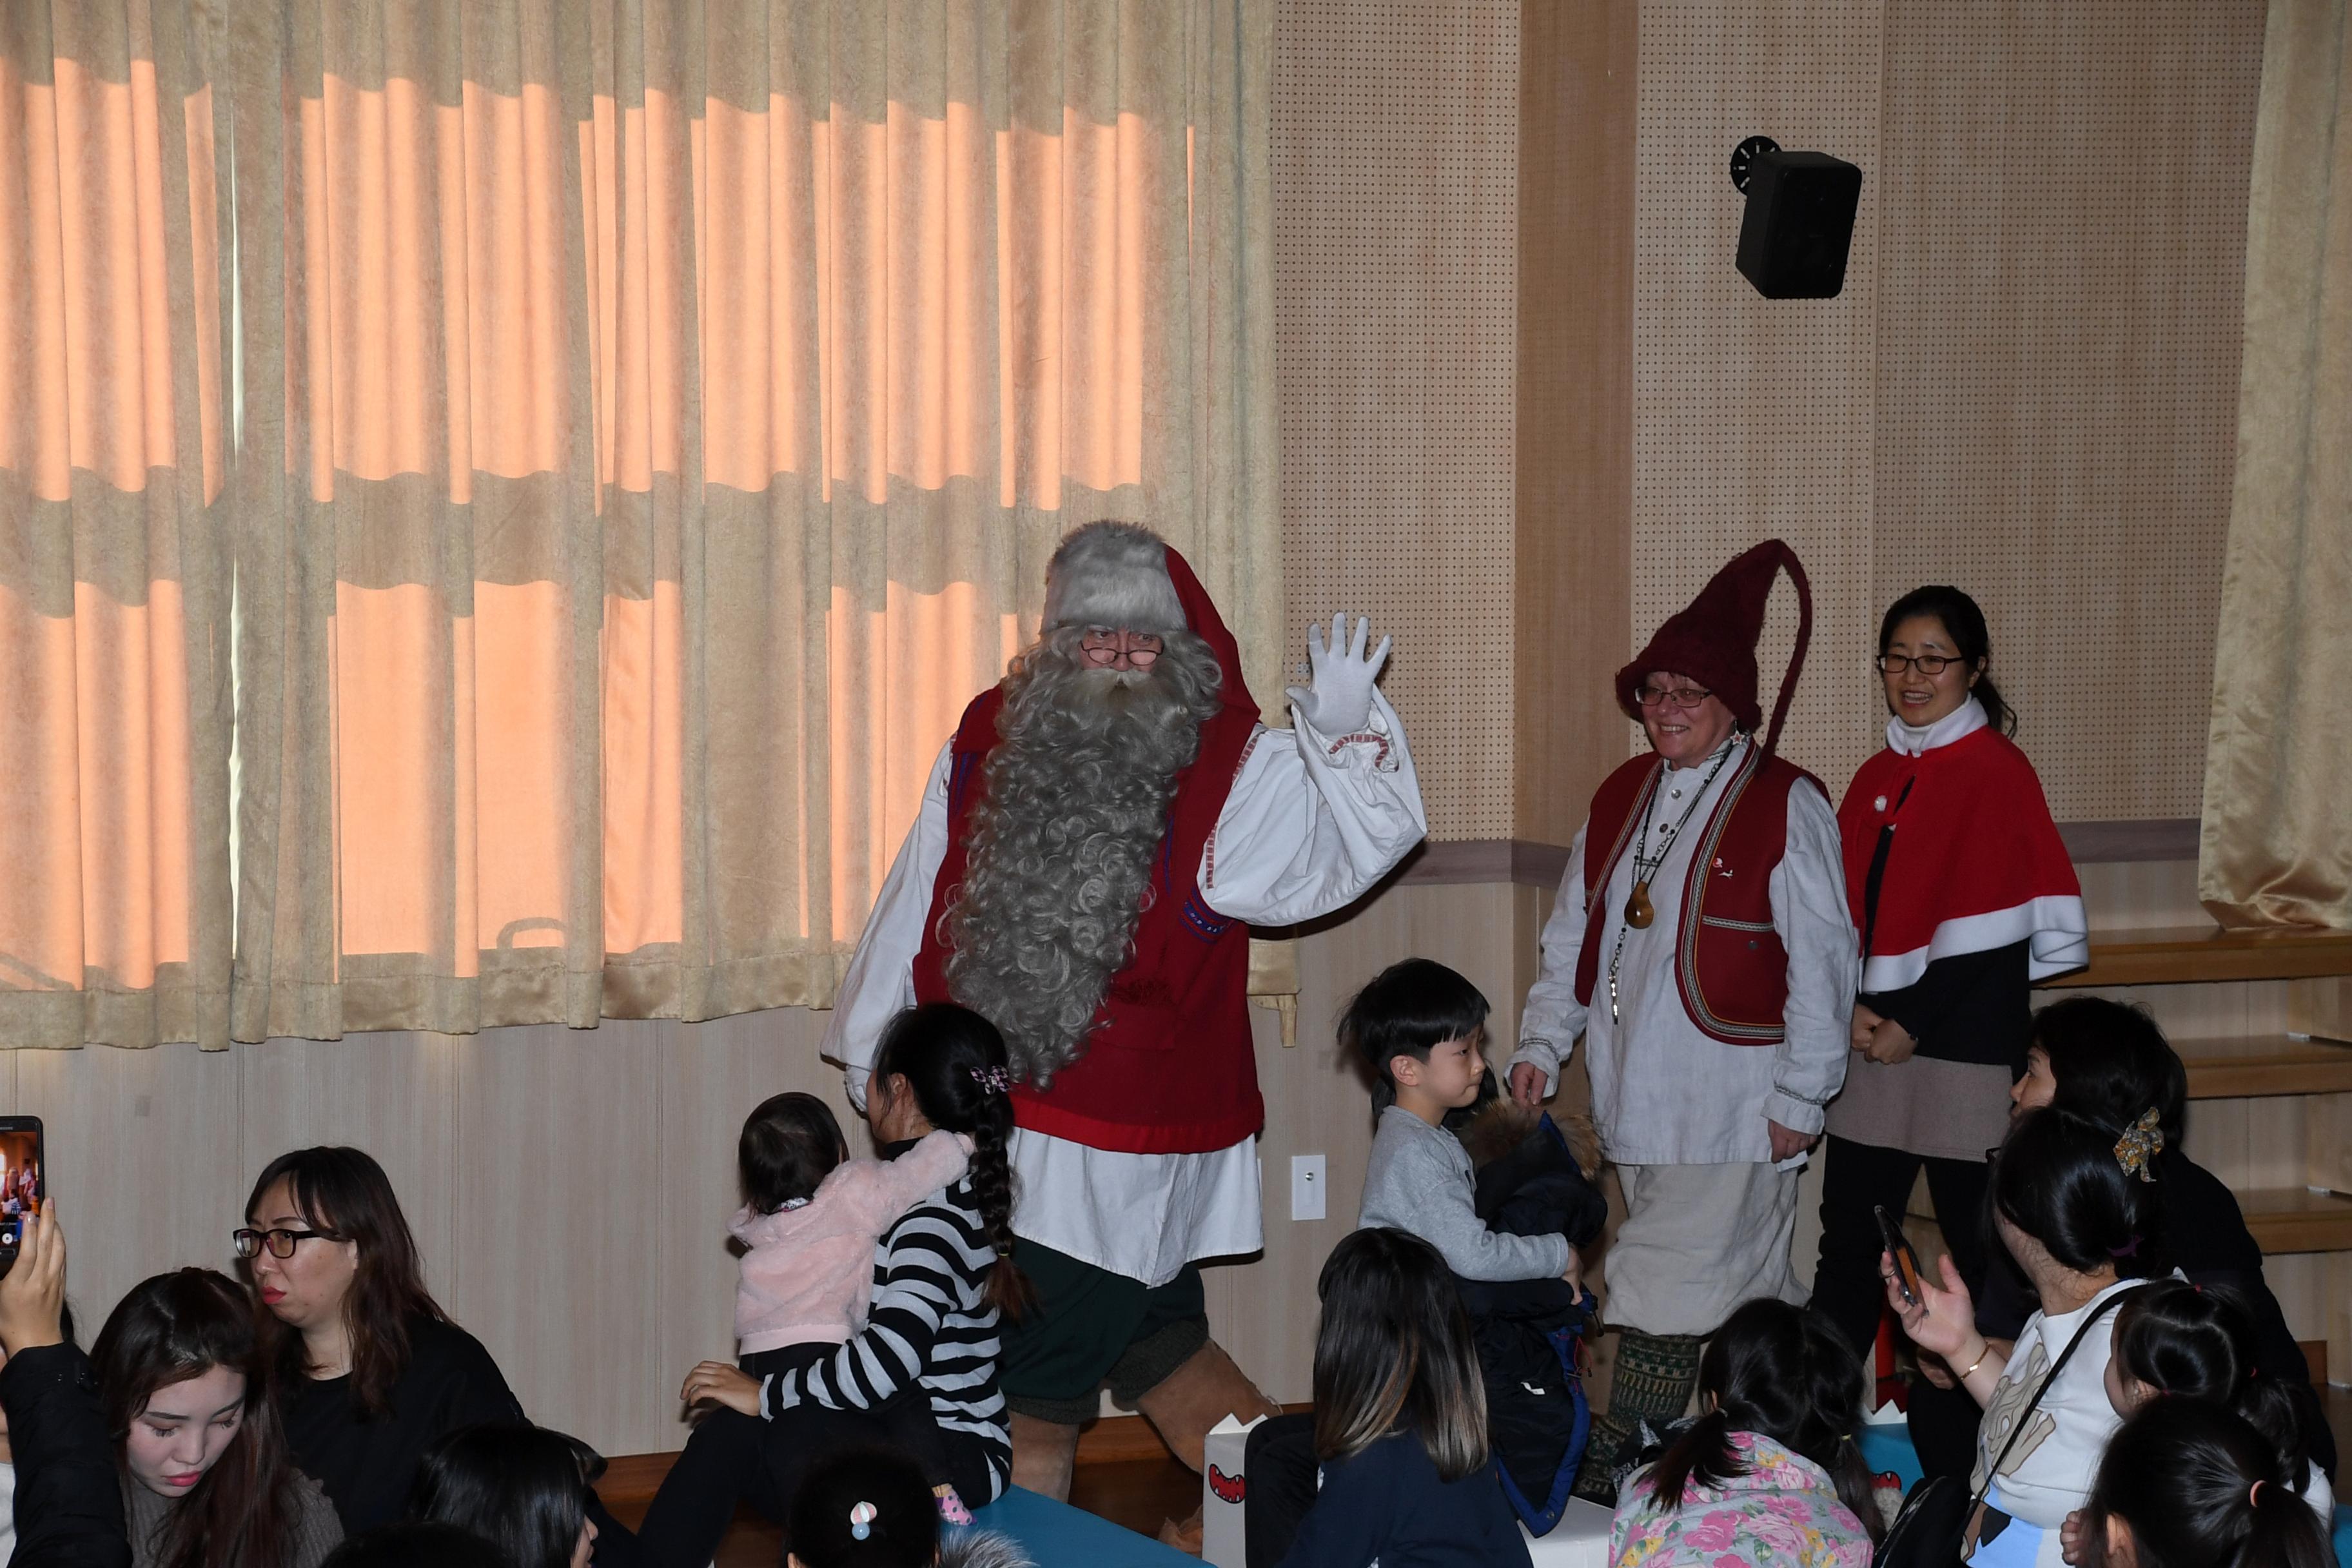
<point x="1421" y="1027"/>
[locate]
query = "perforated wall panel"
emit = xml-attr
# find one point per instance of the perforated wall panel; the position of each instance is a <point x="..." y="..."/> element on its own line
<point x="1395" y="188"/>
<point x="1752" y="417"/>
<point x="2063" y="218"/>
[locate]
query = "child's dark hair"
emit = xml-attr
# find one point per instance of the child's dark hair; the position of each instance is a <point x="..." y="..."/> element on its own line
<point x="880" y="1489"/>
<point x="1409" y="1009"/>
<point x="416" y="1545"/>
<point x="2059" y="1179"/>
<point x="2112" y="1064"/>
<point x="2199" y="1487"/>
<point x="524" y="1489"/>
<point x="2196" y="1341"/>
<point x="1393" y="1353"/>
<point x="956" y="1066"/>
<point x="789" y="1144"/>
<point x="1783" y="1373"/>
<point x="1964" y="622"/>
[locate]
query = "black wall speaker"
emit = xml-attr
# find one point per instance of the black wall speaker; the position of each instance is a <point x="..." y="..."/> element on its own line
<point x="1800" y="221"/>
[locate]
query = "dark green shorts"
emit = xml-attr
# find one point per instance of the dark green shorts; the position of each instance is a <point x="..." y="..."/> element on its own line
<point x="1091" y="1327"/>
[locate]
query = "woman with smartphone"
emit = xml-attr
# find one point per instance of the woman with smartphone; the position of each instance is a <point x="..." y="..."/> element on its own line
<point x="2073" y="1208"/>
<point x="1964" y="895"/>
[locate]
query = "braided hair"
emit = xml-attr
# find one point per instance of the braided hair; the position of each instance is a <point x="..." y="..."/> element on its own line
<point x="1786" y="1374"/>
<point x="955" y="1065"/>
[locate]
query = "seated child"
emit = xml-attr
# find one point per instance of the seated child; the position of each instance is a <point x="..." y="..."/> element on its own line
<point x="1768" y="1473"/>
<point x="1421" y="1027"/>
<point x="2184" y="1340"/>
<point x="809" y="1219"/>
<point x="1408" y="1480"/>
<point x="2187" y="1483"/>
<point x="870" y="1509"/>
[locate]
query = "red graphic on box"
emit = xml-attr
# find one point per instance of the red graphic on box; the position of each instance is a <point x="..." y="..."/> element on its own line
<point x="1229" y="1488"/>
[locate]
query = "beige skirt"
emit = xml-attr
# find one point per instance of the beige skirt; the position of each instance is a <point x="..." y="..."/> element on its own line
<point x="1696" y="1242"/>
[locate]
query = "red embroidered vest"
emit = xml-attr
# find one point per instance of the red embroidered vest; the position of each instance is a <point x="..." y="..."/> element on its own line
<point x="1170" y="1067"/>
<point x="1729" y="965"/>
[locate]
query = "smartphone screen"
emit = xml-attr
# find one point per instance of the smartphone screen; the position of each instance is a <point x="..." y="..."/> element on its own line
<point x="21" y="1156"/>
<point x="1906" y="1260"/>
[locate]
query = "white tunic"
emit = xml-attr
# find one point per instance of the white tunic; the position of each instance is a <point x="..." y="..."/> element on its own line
<point x="1664" y="1093"/>
<point x="1311" y="823"/>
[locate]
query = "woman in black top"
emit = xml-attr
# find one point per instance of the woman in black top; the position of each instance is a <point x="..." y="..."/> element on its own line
<point x="374" y="1370"/>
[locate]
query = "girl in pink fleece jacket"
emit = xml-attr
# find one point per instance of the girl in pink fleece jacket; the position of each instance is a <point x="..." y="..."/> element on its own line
<point x="810" y="1220"/>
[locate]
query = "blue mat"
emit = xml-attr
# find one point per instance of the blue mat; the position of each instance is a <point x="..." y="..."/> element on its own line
<point x="1060" y="1536"/>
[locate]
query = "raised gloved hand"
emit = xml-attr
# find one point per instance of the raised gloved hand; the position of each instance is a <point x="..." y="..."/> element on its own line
<point x="1338" y="699"/>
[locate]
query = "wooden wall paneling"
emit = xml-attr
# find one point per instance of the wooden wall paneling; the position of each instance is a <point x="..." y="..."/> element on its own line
<point x="559" y="1162"/>
<point x="2120" y="895"/>
<point x="1394" y="152"/>
<point x="2059" y="309"/>
<point x="1753" y="418"/>
<point x="392" y="1094"/>
<point x="711" y="1077"/>
<point x="142" y="1159"/>
<point x="1574" y="455"/>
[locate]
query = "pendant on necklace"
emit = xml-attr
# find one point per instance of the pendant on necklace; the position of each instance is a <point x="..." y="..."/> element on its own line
<point x="1638" y="912"/>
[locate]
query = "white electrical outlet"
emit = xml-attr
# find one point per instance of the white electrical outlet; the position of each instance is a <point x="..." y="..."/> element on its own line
<point x="1306" y="1186"/>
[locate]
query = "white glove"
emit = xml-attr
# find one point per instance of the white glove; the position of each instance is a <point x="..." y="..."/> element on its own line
<point x="1338" y="702"/>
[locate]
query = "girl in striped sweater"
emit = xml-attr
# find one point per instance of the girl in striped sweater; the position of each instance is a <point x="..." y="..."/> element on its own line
<point x="943" y="1276"/>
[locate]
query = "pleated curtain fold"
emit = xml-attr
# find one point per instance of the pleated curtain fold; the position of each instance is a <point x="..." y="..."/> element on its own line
<point x="2277" y="836"/>
<point x="651" y="421"/>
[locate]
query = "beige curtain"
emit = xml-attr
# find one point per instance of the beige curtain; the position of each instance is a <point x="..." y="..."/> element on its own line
<point x="654" y="417"/>
<point x="114" y="582"/>
<point x="2277" y="842"/>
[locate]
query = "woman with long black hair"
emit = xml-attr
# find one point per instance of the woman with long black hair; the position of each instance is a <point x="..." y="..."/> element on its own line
<point x="944" y="1278"/>
<point x="206" y="1479"/>
<point x="372" y="1370"/>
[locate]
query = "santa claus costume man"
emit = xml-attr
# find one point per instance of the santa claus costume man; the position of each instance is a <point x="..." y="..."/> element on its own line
<point x="1094" y="845"/>
<point x="1701" y="945"/>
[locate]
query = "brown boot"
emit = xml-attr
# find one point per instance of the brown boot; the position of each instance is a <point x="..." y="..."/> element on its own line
<point x="1043" y="1455"/>
<point x="1203" y="1391"/>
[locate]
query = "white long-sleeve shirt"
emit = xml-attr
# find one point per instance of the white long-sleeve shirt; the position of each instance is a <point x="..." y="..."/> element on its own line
<point x="1310" y="824"/>
<point x="1664" y="1093"/>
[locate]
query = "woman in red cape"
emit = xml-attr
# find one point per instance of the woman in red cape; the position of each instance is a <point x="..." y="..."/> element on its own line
<point x="1964" y="896"/>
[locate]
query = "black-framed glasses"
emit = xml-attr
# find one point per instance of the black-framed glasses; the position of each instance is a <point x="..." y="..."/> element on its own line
<point x="281" y="1243"/>
<point x="1680" y="696"/>
<point x="1926" y="663"/>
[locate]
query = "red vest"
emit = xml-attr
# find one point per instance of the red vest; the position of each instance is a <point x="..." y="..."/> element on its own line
<point x="1729" y="966"/>
<point x="1170" y="1067"/>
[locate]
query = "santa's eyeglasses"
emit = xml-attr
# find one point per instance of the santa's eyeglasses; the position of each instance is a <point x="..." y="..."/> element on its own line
<point x="1102" y="646"/>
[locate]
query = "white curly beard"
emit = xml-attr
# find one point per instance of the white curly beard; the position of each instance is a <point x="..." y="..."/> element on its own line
<point x="1073" y="808"/>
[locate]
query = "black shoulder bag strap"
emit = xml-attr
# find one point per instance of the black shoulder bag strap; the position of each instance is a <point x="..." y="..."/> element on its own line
<point x="1993" y="1472"/>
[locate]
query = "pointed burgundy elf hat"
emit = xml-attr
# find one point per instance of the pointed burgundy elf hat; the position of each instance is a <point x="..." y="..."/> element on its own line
<point x="1714" y="640"/>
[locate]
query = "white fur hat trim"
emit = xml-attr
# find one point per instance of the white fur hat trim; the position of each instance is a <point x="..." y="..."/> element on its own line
<point x="1112" y="574"/>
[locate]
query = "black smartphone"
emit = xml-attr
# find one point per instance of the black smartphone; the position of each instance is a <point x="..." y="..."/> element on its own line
<point x="23" y="1159"/>
<point x="1906" y="1258"/>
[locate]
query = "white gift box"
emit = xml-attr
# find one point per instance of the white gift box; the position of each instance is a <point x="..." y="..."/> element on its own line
<point x="1223" y="1494"/>
<point x="1580" y="1538"/>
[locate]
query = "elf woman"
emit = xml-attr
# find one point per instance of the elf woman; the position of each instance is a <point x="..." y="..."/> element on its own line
<point x="1964" y="897"/>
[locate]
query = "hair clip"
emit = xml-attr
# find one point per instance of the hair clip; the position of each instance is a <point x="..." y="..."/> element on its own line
<point x="2130" y="1250"/>
<point x="992" y="1080"/>
<point x="861" y="1521"/>
<point x="2251" y="1490"/>
<point x="2141" y="1143"/>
